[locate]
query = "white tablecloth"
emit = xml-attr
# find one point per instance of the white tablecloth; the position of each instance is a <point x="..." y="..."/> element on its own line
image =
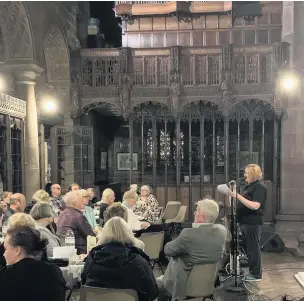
<point x="72" y="274"/>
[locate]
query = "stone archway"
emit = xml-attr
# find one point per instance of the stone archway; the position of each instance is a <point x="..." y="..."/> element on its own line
<point x="16" y="31"/>
<point x="56" y="56"/>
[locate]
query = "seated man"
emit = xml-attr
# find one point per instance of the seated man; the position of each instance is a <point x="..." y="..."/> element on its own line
<point x="121" y="211"/>
<point x="73" y="219"/>
<point x="129" y="200"/>
<point x="203" y="243"/>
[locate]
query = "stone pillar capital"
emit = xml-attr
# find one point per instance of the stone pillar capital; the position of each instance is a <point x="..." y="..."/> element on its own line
<point x="26" y="74"/>
<point x="25" y="77"/>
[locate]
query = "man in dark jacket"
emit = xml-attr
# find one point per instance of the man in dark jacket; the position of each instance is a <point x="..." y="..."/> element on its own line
<point x="73" y="219"/>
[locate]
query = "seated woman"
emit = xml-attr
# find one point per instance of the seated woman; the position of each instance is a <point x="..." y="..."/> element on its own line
<point x="118" y="209"/>
<point x="88" y="211"/>
<point x="20" y="220"/>
<point x="117" y="263"/>
<point x="39" y="196"/>
<point x="35" y="280"/>
<point x="93" y="199"/>
<point x="147" y="205"/>
<point x="44" y="214"/>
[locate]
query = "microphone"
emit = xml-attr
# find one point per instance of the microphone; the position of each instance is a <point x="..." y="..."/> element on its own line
<point x="237" y="180"/>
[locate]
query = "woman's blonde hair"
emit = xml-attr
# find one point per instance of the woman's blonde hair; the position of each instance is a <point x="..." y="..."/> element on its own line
<point x="83" y="193"/>
<point x="116" y="230"/>
<point x="107" y="193"/>
<point x="41" y="196"/>
<point x="20" y="220"/>
<point x="90" y="190"/>
<point x="254" y="172"/>
<point x="134" y="187"/>
<point x="130" y="195"/>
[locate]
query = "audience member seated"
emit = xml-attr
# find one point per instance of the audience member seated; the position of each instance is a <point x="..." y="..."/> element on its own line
<point x="58" y="203"/>
<point x="117" y="263"/>
<point x="25" y="278"/>
<point x="93" y="199"/>
<point x="107" y="199"/>
<point x="73" y="219"/>
<point x="88" y="211"/>
<point x="22" y="201"/>
<point x="21" y="220"/>
<point x="121" y="211"/>
<point x="147" y="205"/>
<point x="5" y="202"/>
<point x="1" y="215"/>
<point x="39" y="196"/>
<point x="44" y="214"/>
<point x="74" y="187"/>
<point x="129" y="201"/>
<point x="203" y="243"/>
<point x="47" y="188"/>
<point x="135" y="188"/>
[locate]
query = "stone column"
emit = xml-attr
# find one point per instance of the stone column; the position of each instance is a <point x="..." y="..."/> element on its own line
<point x="25" y="89"/>
<point x="292" y="134"/>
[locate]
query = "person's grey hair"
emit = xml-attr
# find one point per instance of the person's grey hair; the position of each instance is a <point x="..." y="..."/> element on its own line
<point x="70" y="197"/>
<point x="115" y="210"/>
<point x="116" y="229"/>
<point x="42" y="210"/>
<point x="210" y="208"/>
<point x="148" y="188"/>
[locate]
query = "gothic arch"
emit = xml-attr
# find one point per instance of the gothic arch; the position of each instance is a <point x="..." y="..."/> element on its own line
<point x="56" y="55"/>
<point x="254" y="109"/>
<point x="16" y="30"/>
<point x="108" y="108"/>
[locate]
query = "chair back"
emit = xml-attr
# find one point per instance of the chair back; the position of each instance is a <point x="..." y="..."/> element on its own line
<point x="159" y="220"/>
<point x="154" y="242"/>
<point x="200" y="282"/>
<point x="180" y="217"/>
<point x="171" y="210"/>
<point x="88" y="293"/>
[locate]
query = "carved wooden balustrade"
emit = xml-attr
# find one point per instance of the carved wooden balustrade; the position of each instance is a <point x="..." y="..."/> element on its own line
<point x="127" y="76"/>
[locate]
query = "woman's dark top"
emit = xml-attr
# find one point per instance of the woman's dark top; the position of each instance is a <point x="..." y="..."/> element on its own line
<point x="2" y="259"/>
<point x="93" y="202"/>
<point x="256" y="192"/>
<point x="115" y="265"/>
<point x="32" y="280"/>
<point x="102" y="208"/>
<point x="29" y="207"/>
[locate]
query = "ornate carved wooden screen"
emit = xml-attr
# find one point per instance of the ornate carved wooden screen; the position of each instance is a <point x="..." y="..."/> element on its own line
<point x="186" y="156"/>
<point x="72" y="156"/>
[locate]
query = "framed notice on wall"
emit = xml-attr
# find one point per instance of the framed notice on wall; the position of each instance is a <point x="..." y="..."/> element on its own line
<point x="124" y="162"/>
<point x="103" y="160"/>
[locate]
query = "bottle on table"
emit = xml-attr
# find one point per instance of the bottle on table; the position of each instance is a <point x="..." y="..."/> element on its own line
<point x="69" y="239"/>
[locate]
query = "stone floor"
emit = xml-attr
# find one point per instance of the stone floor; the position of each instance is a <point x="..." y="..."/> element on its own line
<point x="278" y="280"/>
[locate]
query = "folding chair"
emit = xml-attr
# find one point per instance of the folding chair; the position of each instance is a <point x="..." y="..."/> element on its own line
<point x="88" y="293"/>
<point x="200" y="282"/>
<point x="154" y="242"/>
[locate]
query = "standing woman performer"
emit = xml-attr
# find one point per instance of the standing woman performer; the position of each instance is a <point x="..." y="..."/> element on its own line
<point x="250" y="216"/>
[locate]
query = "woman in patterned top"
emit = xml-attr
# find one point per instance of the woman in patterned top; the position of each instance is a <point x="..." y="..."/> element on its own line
<point x="147" y="205"/>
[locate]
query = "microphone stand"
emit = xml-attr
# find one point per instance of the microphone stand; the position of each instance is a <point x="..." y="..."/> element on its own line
<point x="234" y="252"/>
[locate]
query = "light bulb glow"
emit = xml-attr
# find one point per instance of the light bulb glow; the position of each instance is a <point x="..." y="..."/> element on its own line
<point x="288" y="83"/>
<point x="49" y="106"/>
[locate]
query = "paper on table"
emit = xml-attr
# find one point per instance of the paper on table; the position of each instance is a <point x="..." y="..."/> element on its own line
<point x="64" y="252"/>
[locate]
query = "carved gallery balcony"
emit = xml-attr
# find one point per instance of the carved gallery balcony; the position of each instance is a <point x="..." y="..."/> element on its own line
<point x="150" y="8"/>
<point x="202" y="72"/>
